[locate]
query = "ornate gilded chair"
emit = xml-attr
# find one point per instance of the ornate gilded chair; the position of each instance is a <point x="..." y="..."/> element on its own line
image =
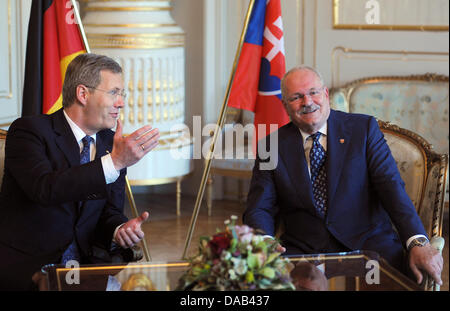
<point x="424" y="173"/>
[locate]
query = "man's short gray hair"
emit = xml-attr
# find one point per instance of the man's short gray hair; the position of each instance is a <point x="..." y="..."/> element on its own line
<point x="85" y="69"/>
<point x="295" y="69"/>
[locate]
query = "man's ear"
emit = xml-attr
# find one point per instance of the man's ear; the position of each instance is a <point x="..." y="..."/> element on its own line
<point x="82" y="94"/>
<point x="327" y="92"/>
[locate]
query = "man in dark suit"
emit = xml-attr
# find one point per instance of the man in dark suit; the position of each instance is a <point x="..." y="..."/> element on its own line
<point x="63" y="187"/>
<point x="334" y="185"/>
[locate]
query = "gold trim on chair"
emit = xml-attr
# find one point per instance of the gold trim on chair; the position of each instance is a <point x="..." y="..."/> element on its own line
<point x="431" y="159"/>
<point x="349" y="88"/>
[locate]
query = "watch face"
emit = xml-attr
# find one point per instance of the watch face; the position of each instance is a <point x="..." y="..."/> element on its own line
<point x="421" y="241"/>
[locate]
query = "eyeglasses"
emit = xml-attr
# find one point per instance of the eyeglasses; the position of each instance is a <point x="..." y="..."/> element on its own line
<point x="115" y="93"/>
<point x="314" y="94"/>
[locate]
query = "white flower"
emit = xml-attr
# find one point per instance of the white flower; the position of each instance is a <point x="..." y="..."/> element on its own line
<point x="225" y="255"/>
<point x="234" y="217"/>
<point x="257" y="239"/>
<point x="232" y="274"/>
<point x="240" y="265"/>
<point x="226" y="222"/>
<point x="246" y="238"/>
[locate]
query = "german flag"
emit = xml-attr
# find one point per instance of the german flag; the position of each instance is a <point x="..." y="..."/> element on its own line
<point x="54" y="40"/>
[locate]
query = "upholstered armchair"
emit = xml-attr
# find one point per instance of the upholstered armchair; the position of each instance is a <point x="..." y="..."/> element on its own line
<point x="239" y="168"/>
<point x="424" y="173"/>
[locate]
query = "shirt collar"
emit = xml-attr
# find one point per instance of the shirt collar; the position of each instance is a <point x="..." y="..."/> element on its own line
<point x="77" y="132"/>
<point x="323" y="130"/>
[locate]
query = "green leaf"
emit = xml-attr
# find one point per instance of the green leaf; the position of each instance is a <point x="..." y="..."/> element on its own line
<point x="233" y="245"/>
<point x="272" y="257"/>
<point x="249" y="277"/>
<point x="252" y="261"/>
<point x="267" y="272"/>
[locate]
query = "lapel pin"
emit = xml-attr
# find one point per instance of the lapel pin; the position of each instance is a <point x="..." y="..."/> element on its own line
<point x="341" y="140"/>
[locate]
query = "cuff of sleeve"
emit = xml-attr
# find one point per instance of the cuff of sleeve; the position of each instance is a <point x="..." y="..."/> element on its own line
<point x="114" y="234"/>
<point x="268" y="236"/>
<point x="111" y="174"/>
<point x="414" y="237"/>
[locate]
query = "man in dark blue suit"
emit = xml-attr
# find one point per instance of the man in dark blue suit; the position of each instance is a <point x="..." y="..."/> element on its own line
<point x="64" y="179"/>
<point x="333" y="185"/>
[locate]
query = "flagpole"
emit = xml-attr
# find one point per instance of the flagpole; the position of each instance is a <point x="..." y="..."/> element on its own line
<point x="219" y="126"/>
<point x="127" y="183"/>
<point x="80" y="26"/>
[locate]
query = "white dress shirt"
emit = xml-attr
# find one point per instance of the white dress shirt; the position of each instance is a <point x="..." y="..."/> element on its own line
<point x="110" y="172"/>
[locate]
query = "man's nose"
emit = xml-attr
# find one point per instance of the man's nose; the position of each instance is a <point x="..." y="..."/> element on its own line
<point x="307" y="100"/>
<point x="119" y="103"/>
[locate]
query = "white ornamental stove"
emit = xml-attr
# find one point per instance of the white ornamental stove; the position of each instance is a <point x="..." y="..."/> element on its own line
<point x="144" y="39"/>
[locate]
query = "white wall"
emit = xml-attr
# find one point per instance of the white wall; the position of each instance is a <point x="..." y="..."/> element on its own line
<point x="14" y="17"/>
<point x="213" y="28"/>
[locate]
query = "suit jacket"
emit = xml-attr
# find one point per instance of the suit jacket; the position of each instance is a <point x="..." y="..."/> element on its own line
<point x="364" y="188"/>
<point x="48" y="198"/>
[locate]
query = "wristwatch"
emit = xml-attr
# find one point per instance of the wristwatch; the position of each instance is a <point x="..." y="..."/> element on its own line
<point x="421" y="241"/>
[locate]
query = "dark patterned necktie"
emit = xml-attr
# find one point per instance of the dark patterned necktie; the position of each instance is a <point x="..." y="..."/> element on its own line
<point x="72" y="252"/>
<point x="317" y="158"/>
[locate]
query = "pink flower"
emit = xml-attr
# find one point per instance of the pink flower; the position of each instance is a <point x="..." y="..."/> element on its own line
<point x="245" y="233"/>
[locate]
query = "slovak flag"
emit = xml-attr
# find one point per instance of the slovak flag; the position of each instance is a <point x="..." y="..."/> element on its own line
<point x="261" y="66"/>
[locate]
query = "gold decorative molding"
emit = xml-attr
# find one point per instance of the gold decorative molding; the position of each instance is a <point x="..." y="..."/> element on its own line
<point x="85" y="1"/>
<point x="136" y="41"/>
<point x="337" y="23"/>
<point x="392" y="27"/>
<point x="131" y="25"/>
<point x="401" y="55"/>
<point x="123" y="9"/>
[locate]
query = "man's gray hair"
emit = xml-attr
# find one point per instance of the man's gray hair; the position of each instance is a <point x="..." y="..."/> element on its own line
<point x="85" y="69"/>
<point x="295" y="69"/>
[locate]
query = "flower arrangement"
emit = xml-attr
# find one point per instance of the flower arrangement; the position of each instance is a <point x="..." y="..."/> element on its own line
<point x="237" y="259"/>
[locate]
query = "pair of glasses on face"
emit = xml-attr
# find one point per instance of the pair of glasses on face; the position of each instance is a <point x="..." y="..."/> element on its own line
<point x="114" y="93"/>
<point x="314" y="94"/>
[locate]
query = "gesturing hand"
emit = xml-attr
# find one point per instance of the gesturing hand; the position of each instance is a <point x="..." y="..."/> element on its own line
<point x="130" y="232"/>
<point x="130" y="149"/>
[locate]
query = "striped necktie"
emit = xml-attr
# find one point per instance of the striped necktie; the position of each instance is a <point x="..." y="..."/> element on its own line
<point x="317" y="158"/>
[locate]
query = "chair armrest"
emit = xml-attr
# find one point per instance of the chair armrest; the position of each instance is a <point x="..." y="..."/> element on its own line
<point x="438" y="243"/>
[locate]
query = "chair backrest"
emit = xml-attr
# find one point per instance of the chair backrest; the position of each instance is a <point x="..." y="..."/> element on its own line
<point x="2" y="154"/>
<point x="418" y="103"/>
<point x="423" y="171"/>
